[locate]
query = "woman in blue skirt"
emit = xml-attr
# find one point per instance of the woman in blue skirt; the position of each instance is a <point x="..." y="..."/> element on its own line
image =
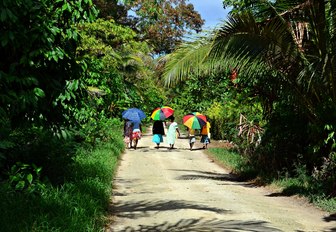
<point x="158" y="132"/>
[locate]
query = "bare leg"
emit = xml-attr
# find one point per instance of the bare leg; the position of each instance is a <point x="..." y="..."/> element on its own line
<point x="191" y="146"/>
<point x="136" y="143"/>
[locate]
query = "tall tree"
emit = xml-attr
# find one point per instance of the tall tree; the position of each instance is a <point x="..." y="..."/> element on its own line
<point x="120" y="67"/>
<point x="163" y="24"/>
<point x="111" y="9"/>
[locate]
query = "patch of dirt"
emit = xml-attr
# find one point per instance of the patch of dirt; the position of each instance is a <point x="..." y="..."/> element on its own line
<point x="221" y="144"/>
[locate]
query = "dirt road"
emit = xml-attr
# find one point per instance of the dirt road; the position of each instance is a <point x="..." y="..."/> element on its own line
<point x="183" y="190"/>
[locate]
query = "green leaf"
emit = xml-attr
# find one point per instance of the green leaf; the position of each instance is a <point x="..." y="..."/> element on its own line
<point x="20" y="185"/>
<point x="38" y="170"/>
<point x="64" y="7"/>
<point x="30" y="178"/>
<point x="39" y="92"/>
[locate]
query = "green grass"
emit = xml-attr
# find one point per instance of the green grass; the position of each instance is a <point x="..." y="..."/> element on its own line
<point x="80" y="204"/>
<point x="305" y="187"/>
<point x="234" y="162"/>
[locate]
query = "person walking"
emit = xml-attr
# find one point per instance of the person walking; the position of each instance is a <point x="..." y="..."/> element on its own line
<point x="192" y="139"/>
<point x="158" y="132"/>
<point x="128" y="130"/>
<point x="173" y="130"/>
<point x="205" y="135"/>
<point x="136" y="134"/>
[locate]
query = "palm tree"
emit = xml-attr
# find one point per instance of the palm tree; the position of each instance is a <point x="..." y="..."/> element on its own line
<point x="292" y="42"/>
<point x="284" y="52"/>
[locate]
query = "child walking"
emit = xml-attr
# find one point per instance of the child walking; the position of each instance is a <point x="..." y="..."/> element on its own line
<point x="172" y="131"/>
<point x="205" y="135"/>
<point x="136" y="134"/>
<point x="192" y="138"/>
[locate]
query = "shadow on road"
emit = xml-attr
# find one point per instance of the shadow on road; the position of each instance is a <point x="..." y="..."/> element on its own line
<point x="201" y="225"/>
<point x="137" y="209"/>
<point x="196" y="175"/>
<point x="330" y="218"/>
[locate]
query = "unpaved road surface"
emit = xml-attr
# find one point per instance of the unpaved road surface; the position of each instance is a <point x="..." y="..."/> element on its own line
<point x="183" y="190"/>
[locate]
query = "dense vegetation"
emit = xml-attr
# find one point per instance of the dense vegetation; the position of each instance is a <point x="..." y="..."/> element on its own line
<point x="67" y="71"/>
<point x="278" y="60"/>
<point x="265" y="79"/>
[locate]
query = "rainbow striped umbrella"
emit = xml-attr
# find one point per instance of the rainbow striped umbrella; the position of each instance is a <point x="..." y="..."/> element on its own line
<point x="161" y="113"/>
<point x="194" y="120"/>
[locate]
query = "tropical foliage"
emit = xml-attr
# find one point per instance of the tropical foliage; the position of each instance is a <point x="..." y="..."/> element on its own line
<point x="283" y="52"/>
<point x="66" y="77"/>
<point x="68" y="69"/>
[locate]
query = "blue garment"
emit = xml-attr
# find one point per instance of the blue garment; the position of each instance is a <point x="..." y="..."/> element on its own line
<point x="157" y="138"/>
<point x="205" y="139"/>
<point x="136" y="126"/>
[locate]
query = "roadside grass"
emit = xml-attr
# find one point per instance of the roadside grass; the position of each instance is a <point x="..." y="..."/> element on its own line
<point x="305" y="186"/>
<point x="301" y="184"/>
<point x="231" y="160"/>
<point x="79" y="204"/>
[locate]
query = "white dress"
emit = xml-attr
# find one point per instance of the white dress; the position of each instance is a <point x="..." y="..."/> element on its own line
<point x="171" y="134"/>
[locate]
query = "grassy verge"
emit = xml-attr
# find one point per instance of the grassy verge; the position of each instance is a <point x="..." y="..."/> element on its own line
<point x="233" y="161"/>
<point x="79" y="204"/>
<point x="302" y="184"/>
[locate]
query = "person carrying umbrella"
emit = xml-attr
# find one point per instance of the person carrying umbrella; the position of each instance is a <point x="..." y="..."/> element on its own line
<point x="205" y="135"/>
<point x="133" y="133"/>
<point x="136" y="133"/>
<point x="128" y="130"/>
<point x="159" y="114"/>
<point x="158" y="132"/>
<point x="194" y="121"/>
<point x="192" y="138"/>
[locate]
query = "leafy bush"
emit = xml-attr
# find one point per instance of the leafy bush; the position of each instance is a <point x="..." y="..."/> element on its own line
<point x="326" y="174"/>
<point x="25" y="178"/>
<point x="79" y="203"/>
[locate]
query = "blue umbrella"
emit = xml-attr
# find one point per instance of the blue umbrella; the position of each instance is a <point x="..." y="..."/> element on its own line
<point x="133" y="114"/>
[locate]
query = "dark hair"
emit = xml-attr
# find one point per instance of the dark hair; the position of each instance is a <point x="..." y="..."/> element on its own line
<point x="172" y="118"/>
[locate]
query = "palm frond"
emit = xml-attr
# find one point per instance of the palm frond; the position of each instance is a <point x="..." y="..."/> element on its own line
<point x="243" y="38"/>
<point x="186" y="59"/>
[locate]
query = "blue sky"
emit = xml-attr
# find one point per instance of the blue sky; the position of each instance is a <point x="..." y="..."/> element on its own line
<point x="211" y="11"/>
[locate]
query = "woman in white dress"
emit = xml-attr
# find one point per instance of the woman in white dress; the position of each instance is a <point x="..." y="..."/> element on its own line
<point x="172" y="131"/>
